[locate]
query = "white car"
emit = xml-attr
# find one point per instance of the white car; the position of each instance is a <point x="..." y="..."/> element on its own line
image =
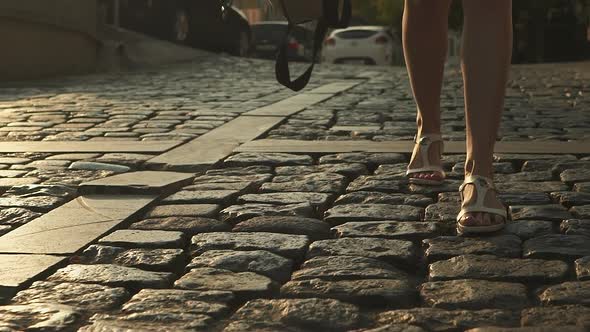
<point x="371" y="45"/>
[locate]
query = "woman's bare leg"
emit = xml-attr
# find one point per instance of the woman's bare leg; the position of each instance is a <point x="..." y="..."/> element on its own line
<point x="425" y="26"/>
<point x="485" y="60"/>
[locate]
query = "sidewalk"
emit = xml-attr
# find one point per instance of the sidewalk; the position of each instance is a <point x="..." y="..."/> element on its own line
<point x="203" y="197"/>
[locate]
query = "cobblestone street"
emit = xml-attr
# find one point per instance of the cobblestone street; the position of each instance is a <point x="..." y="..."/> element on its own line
<point x="204" y="197"/>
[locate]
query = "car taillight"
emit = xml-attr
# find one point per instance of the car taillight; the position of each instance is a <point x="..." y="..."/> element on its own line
<point x="330" y="42"/>
<point x="381" y="40"/>
<point x="293" y="44"/>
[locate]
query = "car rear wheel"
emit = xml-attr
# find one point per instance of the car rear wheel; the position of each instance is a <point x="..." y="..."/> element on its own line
<point x="181" y="27"/>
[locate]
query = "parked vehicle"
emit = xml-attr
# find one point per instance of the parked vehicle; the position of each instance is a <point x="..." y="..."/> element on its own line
<point x="197" y="23"/>
<point x="268" y="36"/>
<point x="371" y="45"/>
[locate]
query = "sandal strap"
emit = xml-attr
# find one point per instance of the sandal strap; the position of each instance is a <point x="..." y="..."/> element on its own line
<point x="425" y="141"/>
<point x="430" y="137"/>
<point x="482" y="185"/>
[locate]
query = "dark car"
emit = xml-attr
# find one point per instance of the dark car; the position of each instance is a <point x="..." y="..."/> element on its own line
<point x="197" y="23"/>
<point x="267" y="36"/>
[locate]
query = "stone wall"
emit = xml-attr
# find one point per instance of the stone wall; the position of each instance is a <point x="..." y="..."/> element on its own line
<point x="43" y="38"/>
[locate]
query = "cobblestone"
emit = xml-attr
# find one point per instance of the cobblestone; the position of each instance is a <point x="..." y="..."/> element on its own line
<point x="260" y="221"/>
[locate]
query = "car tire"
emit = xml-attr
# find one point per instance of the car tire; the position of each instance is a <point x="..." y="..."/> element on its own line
<point x="181" y="25"/>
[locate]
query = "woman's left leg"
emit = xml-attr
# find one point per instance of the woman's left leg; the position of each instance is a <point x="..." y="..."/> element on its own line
<point x="485" y="61"/>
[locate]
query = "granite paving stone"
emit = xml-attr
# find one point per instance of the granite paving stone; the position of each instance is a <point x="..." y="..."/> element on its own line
<point x="7" y="183"/>
<point x="261" y="262"/>
<point x="133" y="160"/>
<point x="145" y="182"/>
<point x="237" y="213"/>
<point x="388" y="250"/>
<point x="289" y="246"/>
<point x="248" y="170"/>
<point x="367" y="292"/>
<point x="557" y="246"/>
<point x="241" y="187"/>
<point x="392" y="169"/>
<point x="334" y="268"/>
<point x="371" y="159"/>
<point x="372" y="197"/>
<point x="144" y="239"/>
<point x="149" y="321"/>
<point x="244" y="285"/>
<point x="39" y="316"/>
<point x="270" y="159"/>
<point x="531" y="187"/>
<point x="71" y="156"/>
<point x="558" y="315"/>
<point x="112" y="275"/>
<point x="528" y="198"/>
<point x="413" y="231"/>
<point x="520" y="157"/>
<point x="211" y="303"/>
<point x="314" y="313"/>
<point x="187" y="225"/>
<point x="526" y="229"/>
<point x="571" y="198"/>
<point x="315" y="229"/>
<point x="350" y="170"/>
<point x="488" y="267"/>
<point x="94" y="166"/>
<point x="256" y="326"/>
<point x="551" y="212"/>
<point x="449" y="185"/>
<point x="571" y="292"/>
<point x="222" y="197"/>
<point x="372" y="212"/>
<point x="184" y="210"/>
<point x="377" y="183"/>
<point x="256" y="179"/>
<point x="90" y="297"/>
<point x="17" y="216"/>
<point x="442" y="212"/>
<point x="582" y="266"/>
<point x="529" y="329"/>
<point x="396" y="328"/>
<point x="575" y="175"/>
<point x="318" y="200"/>
<point x="164" y="260"/>
<point x="37" y="197"/>
<point x="534" y="176"/>
<point x="315" y="182"/>
<point x="474" y="294"/>
<point x="581" y="211"/>
<point x="437" y="319"/>
<point x="582" y="187"/>
<point x="67" y="177"/>
<point x="445" y="247"/>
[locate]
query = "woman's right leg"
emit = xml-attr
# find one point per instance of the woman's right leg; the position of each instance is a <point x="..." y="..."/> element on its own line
<point x="425" y="40"/>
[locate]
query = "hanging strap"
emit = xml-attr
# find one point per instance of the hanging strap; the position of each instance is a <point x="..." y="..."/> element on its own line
<point x="330" y="18"/>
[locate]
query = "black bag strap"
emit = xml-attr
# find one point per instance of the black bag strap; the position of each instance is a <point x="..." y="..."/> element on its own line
<point x="330" y="18"/>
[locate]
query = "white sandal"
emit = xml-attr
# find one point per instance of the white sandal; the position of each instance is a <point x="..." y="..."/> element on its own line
<point x="482" y="185"/>
<point x="425" y="141"/>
